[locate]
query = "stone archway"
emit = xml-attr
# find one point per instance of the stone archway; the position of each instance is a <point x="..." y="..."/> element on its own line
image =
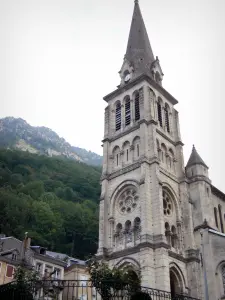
<point x="176" y="282"/>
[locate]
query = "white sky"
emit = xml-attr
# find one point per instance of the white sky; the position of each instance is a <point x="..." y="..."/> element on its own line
<point x="58" y="58"/>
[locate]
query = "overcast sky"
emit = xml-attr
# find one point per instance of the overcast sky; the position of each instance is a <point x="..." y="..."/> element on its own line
<point x="58" y="58"/>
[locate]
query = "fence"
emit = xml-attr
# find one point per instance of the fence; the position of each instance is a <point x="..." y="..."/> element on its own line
<point x="80" y="290"/>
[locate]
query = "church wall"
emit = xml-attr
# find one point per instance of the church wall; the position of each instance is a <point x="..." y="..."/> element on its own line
<point x="216" y="201"/>
<point x="214" y="257"/>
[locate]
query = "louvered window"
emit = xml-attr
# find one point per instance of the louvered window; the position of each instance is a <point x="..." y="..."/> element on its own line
<point x="118" y="116"/>
<point x="137" y="107"/>
<point x="167" y="120"/>
<point x="159" y="113"/>
<point x="127" y="112"/>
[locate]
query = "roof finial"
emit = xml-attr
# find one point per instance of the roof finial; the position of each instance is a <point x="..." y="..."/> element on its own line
<point x="136" y="1"/>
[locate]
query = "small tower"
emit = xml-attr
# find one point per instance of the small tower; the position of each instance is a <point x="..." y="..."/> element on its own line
<point x="200" y="190"/>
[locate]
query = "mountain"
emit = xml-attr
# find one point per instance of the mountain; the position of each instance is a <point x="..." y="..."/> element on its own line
<point x="16" y="133"/>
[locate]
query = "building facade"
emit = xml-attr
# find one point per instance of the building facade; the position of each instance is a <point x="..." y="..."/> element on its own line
<point x="157" y="216"/>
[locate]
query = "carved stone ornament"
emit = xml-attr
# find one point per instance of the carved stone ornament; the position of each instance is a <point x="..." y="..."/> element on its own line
<point x="127" y="201"/>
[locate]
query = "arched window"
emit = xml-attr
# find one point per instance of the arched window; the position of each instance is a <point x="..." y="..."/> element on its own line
<point x="167" y="122"/>
<point x="167" y="204"/>
<point x="119" y="228"/>
<point x="223" y="277"/>
<point x="128" y="231"/>
<point x="173" y="237"/>
<point x="137" y="106"/>
<point x="136" y="147"/>
<point x="221" y="218"/>
<point x="126" y="151"/>
<point x="159" y="107"/>
<point x="167" y="232"/>
<point x="138" y="150"/>
<point x="116" y="156"/>
<point x="127" y="112"/>
<point x="118" y="116"/>
<point x="157" y="78"/>
<point x="163" y="153"/>
<point x="158" y="149"/>
<point x="216" y="217"/>
<point x="171" y="159"/>
<point x="137" y="228"/>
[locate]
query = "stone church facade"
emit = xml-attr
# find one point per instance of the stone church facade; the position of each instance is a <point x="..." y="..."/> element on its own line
<point x="159" y="217"/>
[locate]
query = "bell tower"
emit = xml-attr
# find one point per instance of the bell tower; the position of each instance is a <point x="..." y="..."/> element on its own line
<point x="145" y="214"/>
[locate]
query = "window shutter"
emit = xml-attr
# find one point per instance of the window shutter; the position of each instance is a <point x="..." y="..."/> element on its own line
<point x="9" y="271"/>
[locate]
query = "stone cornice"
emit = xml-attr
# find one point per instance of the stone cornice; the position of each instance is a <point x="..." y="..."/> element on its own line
<point x="137" y="80"/>
<point x="125" y="170"/>
<point x="136" y="249"/>
<point x="204" y="225"/>
<point x="177" y="256"/>
<point x="168" y="174"/>
<point x="168" y="138"/>
<point x="128" y="130"/>
<point x="198" y="178"/>
<point x="129" y="168"/>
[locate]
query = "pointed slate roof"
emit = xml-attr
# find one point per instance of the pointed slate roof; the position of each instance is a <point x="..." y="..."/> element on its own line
<point x="195" y="159"/>
<point x="139" y="52"/>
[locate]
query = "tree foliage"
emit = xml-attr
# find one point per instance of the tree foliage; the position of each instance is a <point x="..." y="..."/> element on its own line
<point x="113" y="282"/>
<point x="54" y="199"/>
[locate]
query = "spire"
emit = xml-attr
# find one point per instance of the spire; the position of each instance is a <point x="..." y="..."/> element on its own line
<point x="139" y="52"/>
<point x="195" y="159"/>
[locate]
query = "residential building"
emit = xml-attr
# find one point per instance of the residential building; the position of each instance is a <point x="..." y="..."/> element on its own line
<point x="159" y="217"/>
<point x="78" y="277"/>
<point x="12" y="253"/>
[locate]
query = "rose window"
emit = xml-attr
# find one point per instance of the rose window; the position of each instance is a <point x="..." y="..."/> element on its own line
<point x="128" y="201"/>
<point x="167" y="204"/>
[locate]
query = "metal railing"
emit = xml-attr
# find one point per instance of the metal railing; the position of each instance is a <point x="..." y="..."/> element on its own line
<point x="80" y="290"/>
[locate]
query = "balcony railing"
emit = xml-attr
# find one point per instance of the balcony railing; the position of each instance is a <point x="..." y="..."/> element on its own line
<point x="80" y="290"/>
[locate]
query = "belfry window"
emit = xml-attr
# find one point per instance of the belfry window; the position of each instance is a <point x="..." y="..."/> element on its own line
<point x="159" y="113"/>
<point x="118" y="116"/>
<point x="167" y="119"/>
<point x="137" y="106"/>
<point x="216" y="217"/>
<point x="127" y="112"/>
<point x="221" y="218"/>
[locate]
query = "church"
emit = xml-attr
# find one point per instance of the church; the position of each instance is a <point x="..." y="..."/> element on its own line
<point x="159" y="217"/>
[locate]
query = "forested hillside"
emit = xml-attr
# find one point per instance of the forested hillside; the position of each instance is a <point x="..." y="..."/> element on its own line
<point x="55" y="200"/>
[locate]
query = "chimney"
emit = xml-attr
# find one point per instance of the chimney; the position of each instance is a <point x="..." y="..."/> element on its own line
<point x="27" y="242"/>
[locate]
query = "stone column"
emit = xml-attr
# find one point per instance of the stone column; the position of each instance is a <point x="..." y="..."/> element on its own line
<point x="111" y="237"/>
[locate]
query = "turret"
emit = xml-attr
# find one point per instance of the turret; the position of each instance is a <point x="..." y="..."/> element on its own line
<point x="196" y="166"/>
<point x="199" y="191"/>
